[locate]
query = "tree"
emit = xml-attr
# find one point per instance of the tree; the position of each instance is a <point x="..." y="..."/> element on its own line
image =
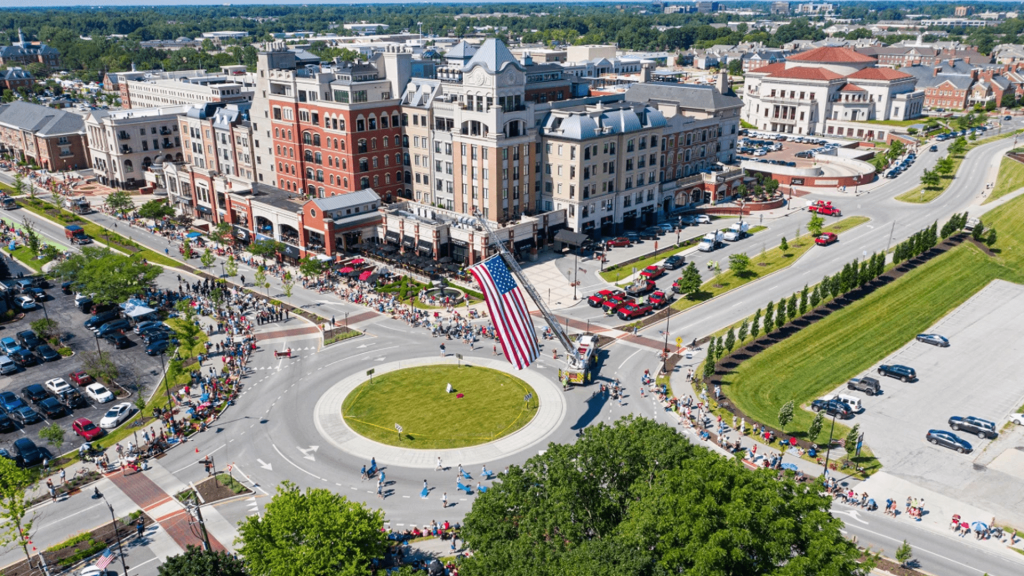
<point x="903" y="554"/>
<point x="736" y="67"/>
<point x="689" y="282"/>
<point x="769" y="317"/>
<point x="1009" y="100"/>
<point x="119" y="202"/>
<point x="231" y="267"/>
<point x="54" y="436"/>
<point x="14" y="505"/>
<point x="312" y="532"/>
<point x="850" y="444"/>
<point x="815" y="428"/>
<point x="222" y="233"/>
<point x="930" y="179"/>
<point x="19" y="187"/>
<point x="791" y="307"/>
<point x="958" y="147"/>
<point x="155" y="209"/>
<point x="815" y="297"/>
<point x="740" y="264"/>
<point x="288" y="282"/>
<point x="198" y="562"/>
<point x="803" y="301"/>
<point x="784" y="246"/>
<point x="207" y="259"/>
<point x="730" y="340"/>
<point x="186" y="248"/>
<point x="260" y="279"/>
<point x="311" y="267"/>
<point x="266" y="249"/>
<point x="780" y="313"/>
<point x="816" y="224"/>
<point x="114" y="278"/>
<point x="978" y="233"/>
<point x="785" y="415"/>
<point x="46" y="328"/>
<point x="636" y="498"/>
<point x="991" y="239"/>
<point x="32" y="239"/>
<point x="744" y="330"/>
<point x="826" y="287"/>
<point x="100" y="366"/>
<point x="755" y="325"/>
<point x="944" y="166"/>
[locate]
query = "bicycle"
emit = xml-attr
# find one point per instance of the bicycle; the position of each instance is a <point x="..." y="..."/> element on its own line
<point x="83" y="471"/>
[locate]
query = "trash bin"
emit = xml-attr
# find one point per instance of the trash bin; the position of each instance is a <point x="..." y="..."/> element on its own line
<point x="812" y="452"/>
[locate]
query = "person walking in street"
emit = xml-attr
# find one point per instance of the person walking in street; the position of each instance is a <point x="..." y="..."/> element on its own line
<point x="63" y="479"/>
<point x="444" y="500"/>
<point x="53" y="491"/>
<point x="439" y="467"/>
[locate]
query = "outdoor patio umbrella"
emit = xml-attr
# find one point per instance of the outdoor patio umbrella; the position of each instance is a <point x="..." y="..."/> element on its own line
<point x="193" y="235"/>
<point x="347" y="270"/>
<point x="446" y="260"/>
<point x="365" y="275"/>
<point x="979" y="526"/>
<point x="357" y="261"/>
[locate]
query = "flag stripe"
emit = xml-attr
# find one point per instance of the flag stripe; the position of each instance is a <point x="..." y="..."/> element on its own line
<point x="508" y="310"/>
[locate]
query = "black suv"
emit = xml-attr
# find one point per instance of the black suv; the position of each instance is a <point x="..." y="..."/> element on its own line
<point x="650" y="233"/>
<point x="904" y="373"/>
<point x="978" y="426"/>
<point x="673" y="262"/>
<point x="832" y="407"/>
<point x="867" y="384"/>
<point x="28" y="339"/>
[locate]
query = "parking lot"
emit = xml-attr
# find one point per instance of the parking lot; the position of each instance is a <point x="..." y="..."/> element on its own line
<point x="977" y="375"/>
<point x="137" y="368"/>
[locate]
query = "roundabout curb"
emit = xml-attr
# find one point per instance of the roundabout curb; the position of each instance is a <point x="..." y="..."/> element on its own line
<point x="333" y="428"/>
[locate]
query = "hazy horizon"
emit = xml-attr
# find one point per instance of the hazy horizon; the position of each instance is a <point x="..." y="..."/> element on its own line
<point x="156" y="3"/>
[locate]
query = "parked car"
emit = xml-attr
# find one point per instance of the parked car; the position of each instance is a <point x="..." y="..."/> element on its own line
<point x="81" y="378"/>
<point x="153" y="334"/>
<point x="80" y="298"/>
<point x="9" y="402"/>
<point x="652" y="272"/>
<point x="978" y="426"/>
<point x="147" y="324"/>
<point x="157" y="347"/>
<point x="8" y="345"/>
<point x="620" y="242"/>
<point x="948" y="440"/>
<point x="27" y="453"/>
<point x="99" y="393"/>
<point x="34" y="393"/>
<point x="826" y="239"/>
<point x="633" y="237"/>
<point x="933" y="148"/>
<point x="1017" y="418"/>
<point x="52" y="408"/>
<point x="86" y="429"/>
<point x="674" y="262"/>
<point x="58" y="386"/>
<point x="47" y="353"/>
<point x="73" y="399"/>
<point x="37" y="294"/>
<point x="116" y="416"/>
<point x="933" y="339"/>
<point x="866" y="384"/>
<point x="904" y="373"/>
<point x="650" y="233"/>
<point x="837" y="408"/>
<point x="65" y="287"/>
<point x="25" y="416"/>
<point x="23" y="358"/>
<point x="633" y="311"/>
<point x="28" y="339"/>
<point x="25" y="302"/>
<point x="98" y="320"/>
<point x="7" y="366"/>
<point x="113" y="326"/>
<point x="118" y="340"/>
<point x="667" y="227"/>
<point x="659" y="299"/>
<point x="6" y="424"/>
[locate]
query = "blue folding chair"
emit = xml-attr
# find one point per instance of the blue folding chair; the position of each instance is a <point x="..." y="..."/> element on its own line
<point x="486" y="474"/>
<point x="466" y="475"/>
<point x="464" y="488"/>
<point x="482" y="489"/>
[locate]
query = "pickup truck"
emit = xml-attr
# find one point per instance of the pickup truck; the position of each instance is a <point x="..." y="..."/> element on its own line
<point x="710" y="241"/>
<point x="653" y="271"/>
<point x="641" y="287"/>
<point x="631" y="311"/>
<point x="596" y="300"/>
<point x="660" y="299"/>
<point x="76" y="235"/>
<point x="824" y="208"/>
<point x="612" y="305"/>
<point x="737" y="231"/>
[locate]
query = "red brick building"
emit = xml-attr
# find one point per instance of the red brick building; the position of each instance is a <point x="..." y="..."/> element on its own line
<point x="51" y="138"/>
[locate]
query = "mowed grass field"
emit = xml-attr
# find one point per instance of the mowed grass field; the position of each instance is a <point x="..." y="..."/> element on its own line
<point x="1011" y="177"/>
<point x="492" y="406"/>
<point x="850" y="341"/>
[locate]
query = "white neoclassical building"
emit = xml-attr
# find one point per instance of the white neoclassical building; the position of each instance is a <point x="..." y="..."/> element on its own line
<point x="823" y="90"/>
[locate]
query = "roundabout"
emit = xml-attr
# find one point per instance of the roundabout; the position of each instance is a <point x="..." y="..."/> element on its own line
<point x="439" y="407"/>
<point x="491" y="421"/>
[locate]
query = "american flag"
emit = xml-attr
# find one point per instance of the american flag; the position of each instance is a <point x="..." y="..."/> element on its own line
<point x="508" y="311"/>
<point x="105" y="559"/>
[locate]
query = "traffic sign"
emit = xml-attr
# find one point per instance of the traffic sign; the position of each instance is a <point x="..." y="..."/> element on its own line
<point x="679" y="341"/>
<point x="398" y="427"/>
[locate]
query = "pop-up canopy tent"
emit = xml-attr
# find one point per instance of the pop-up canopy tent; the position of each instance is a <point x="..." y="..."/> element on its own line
<point x="134" y="308"/>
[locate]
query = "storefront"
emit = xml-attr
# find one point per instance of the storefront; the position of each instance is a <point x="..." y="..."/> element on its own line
<point x="291" y="254"/>
<point x="425" y="248"/>
<point x="460" y="251"/>
<point x="242" y="236"/>
<point x="392" y="237"/>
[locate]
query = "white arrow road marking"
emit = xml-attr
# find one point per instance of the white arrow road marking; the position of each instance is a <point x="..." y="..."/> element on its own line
<point x="381" y="359"/>
<point x="279" y="453"/>
<point x="306" y="452"/>
<point x="361" y="346"/>
<point x="264" y="465"/>
<point x="852" y="514"/>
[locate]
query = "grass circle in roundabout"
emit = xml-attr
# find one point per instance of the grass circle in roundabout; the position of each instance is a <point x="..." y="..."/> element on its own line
<point x="491" y="406"/>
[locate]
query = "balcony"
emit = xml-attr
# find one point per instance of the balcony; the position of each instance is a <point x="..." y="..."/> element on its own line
<point x="126" y="149"/>
<point x="165" y="131"/>
<point x="123" y="136"/>
<point x="166" y="144"/>
<point x="788" y="100"/>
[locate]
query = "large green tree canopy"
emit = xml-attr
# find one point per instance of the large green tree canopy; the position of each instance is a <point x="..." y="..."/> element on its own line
<point x="637" y="498"/>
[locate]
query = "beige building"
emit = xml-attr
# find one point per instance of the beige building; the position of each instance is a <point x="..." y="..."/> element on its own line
<point x="417" y="119"/>
<point x="157" y="89"/>
<point x="590" y="52"/>
<point x="123" y="144"/>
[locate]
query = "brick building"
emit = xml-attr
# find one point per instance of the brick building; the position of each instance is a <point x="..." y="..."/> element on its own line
<point x="51" y="138"/>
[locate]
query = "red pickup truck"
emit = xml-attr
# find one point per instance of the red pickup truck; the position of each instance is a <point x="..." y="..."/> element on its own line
<point x="598" y="299"/>
<point x="660" y="299"/>
<point x="631" y="311"/>
<point x="824" y="208"/>
<point x="653" y="271"/>
<point x="612" y="304"/>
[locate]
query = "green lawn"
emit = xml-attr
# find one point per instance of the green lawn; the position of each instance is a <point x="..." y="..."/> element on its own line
<point x="915" y="196"/>
<point x="772" y="261"/>
<point x="858" y="336"/>
<point x="1011" y="177"/>
<point x="615" y="274"/>
<point x="415" y="398"/>
<point x="24" y="255"/>
<point x="971" y="144"/>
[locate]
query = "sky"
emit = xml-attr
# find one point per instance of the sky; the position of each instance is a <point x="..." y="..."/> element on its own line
<point x="126" y="3"/>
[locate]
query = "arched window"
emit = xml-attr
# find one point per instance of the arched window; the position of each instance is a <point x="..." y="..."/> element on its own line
<point x="364" y="183"/>
<point x="394" y="120"/>
<point x="128" y="168"/>
<point x="387" y="160"/>
<point x="360" y="125"/>
<point x="307" y="138"/>
<point x="344" y="183"/>
<point x="375" y="162"/>
<point x="309" y="173"/>
<point x="318" y="158"/>
<point x="342" y="145"/>
<point x="320" y="191"/>
<point x="316" y="139"/>
<point x="373" y="143"/>
<point x="308" y="155"/>
<point x="331" y="179"/>
<point x="289" y="135"/>
<point x="330" y="160"/>
<point x="398" y="158"/>
<point x="376" y="181"/>
<point x="146" y="162"/>
<point x="341" y="124"/>
<point x="363" y="165"/>
<point x="387" y="178"/>
<point x="383" y="121"/>
<point x="277" y="133"/>
<point x="372" y="123"/>
<point x="319" y="175"/>
<point x="361" y="148"/>
<point x="312" y="189"/>
<point x="344" y="164"/>
<point x="385" y="141"/>
<point x="334" y="123"/>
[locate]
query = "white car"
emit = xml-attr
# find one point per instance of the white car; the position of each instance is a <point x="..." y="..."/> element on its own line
<point x="703" y="219"/>
<point x="79" y="298"/>
<point x="1017" y="418"/>
<point x="25" y="302"/>
<point x="57" y="386"/>
<point x="99" y="393"/>
<point x="117" y="414"/>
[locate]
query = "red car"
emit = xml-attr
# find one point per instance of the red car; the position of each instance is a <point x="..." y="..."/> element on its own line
<point x="653" y="271"/>
<point x="621" y="242"/>
<point x="81" y="378"/>
<point x="614" y="303"/>
<point x="633" y="310"/>
<point x="826" y="239"/>
<point x="660" y="299"/>
<point x="86" y="429"/>
<point x="824" y="208"/>
<point x="597" y="300"/>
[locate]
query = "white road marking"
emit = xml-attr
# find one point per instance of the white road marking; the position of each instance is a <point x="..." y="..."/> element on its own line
<point x="293" y="463"/>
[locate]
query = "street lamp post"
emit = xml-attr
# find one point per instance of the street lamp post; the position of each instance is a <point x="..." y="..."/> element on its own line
<point x="575" y="272"/>
<point x="117" y="533"/>
<point x="828" y="449"/>
<point x="167" y="385"/>
<point x="664" y="350"/>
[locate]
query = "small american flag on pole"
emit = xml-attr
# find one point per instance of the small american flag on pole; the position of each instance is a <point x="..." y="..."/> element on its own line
<point x="105" y="559"/>
<point x="507" y="307"/>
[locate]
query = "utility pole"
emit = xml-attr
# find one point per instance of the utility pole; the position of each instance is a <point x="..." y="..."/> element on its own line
<point x="117" y="533"/>
<point x="828" y="450"/>
<point x="891" y="232"/>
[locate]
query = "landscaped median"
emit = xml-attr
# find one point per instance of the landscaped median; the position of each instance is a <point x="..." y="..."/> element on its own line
<point x="617" y="272"/>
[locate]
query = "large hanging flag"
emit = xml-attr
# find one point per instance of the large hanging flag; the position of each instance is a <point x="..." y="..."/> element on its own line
<point x="508" y="311"/>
